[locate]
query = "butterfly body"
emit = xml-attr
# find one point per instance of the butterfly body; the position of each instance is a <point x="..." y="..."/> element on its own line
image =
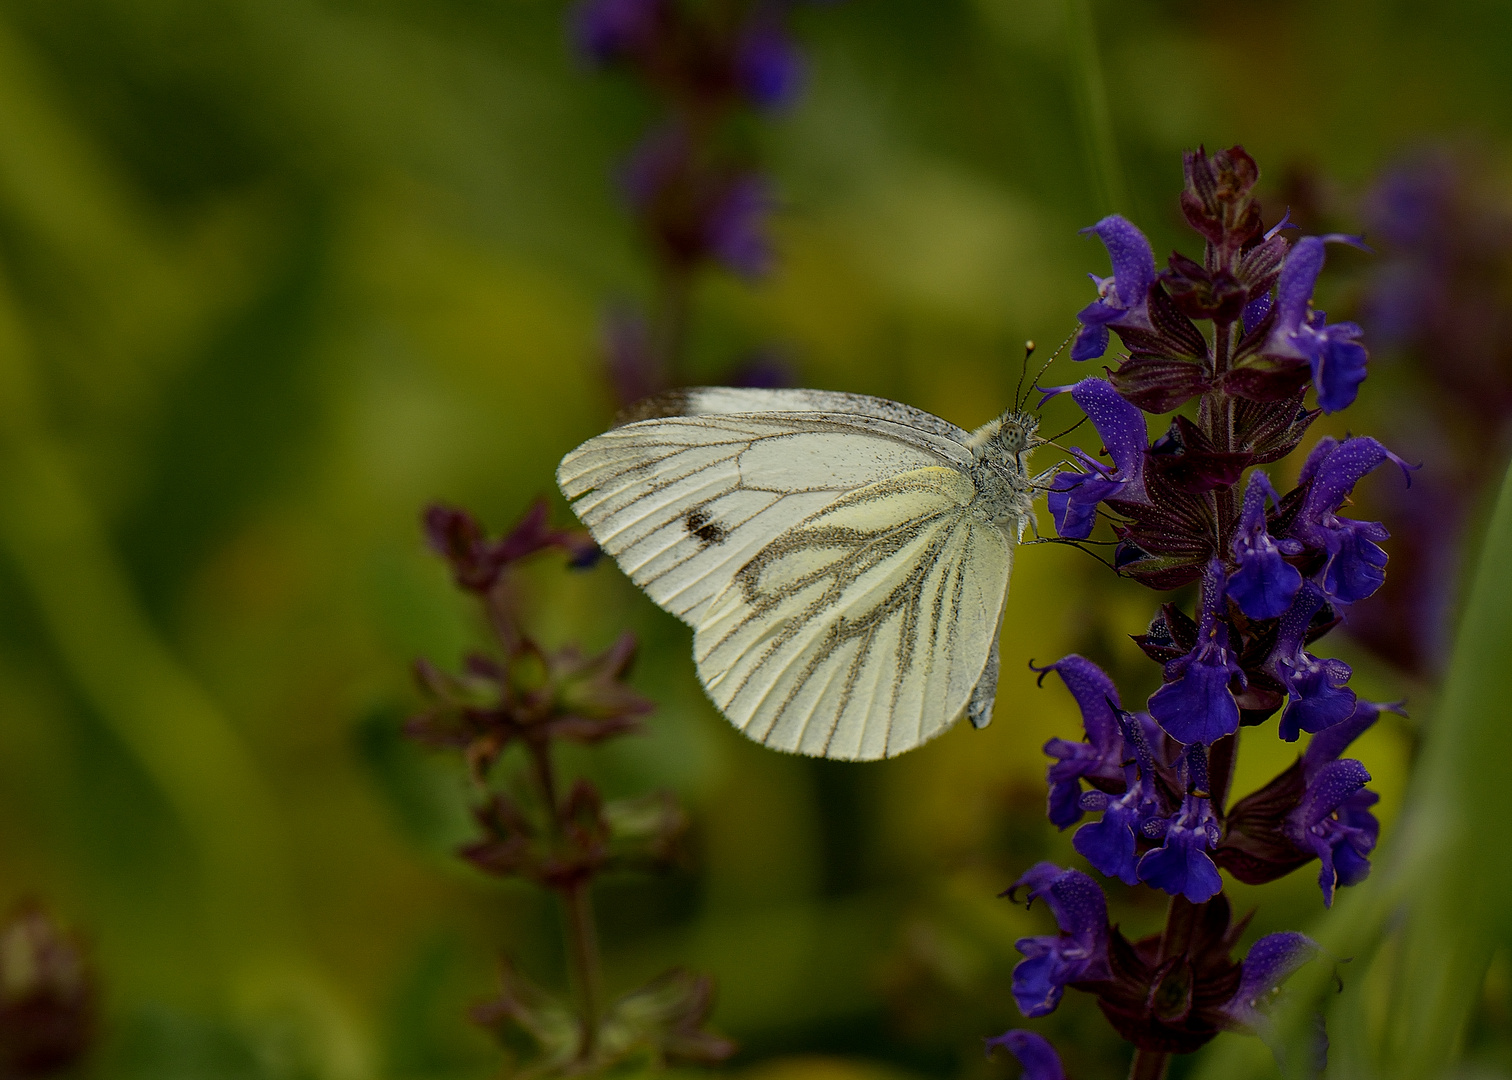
<point x="842" y="560"/>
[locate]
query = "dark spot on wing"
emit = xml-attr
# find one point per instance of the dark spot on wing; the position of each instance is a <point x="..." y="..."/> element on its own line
<point x="708" y="531"/>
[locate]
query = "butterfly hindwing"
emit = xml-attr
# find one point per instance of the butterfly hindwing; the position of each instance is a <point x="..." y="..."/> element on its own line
<point x="683" y="502"/>
<point x="863" y="630"/>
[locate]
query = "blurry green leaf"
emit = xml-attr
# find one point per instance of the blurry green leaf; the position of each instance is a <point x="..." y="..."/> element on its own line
<point x="1461" y="898"/>
<point x="234" y="420"/>
<point x="159" y="1044"/>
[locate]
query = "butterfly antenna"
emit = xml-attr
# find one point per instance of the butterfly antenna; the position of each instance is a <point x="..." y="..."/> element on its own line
<point x="1068" y="431"/>
<point x="1018" y="393"/>
<point x="1046" y="366"/>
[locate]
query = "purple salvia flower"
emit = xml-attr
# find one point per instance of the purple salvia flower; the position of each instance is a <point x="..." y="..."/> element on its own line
<point x="1318" y="694"/>
<point x="1356" y="565"/>
<point x="1074" y="496"/>
<point x="1110" y="844"/>
<point x="1333" y="819"/>
<point x="1196" y="704"/>
<point x="1271" y="961"/>
<point x="1078" y="954"/>
<point x="1101" y="756"/>
<point x="1265" y="583"/>
<point x="1123" y="299"/>
<point x="1337" y="359"/>
<point x="1034" y="1053"/>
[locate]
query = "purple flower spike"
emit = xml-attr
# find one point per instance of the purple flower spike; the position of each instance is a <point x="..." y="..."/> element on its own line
<point x="1271" y="961"/>
<point x="1196" y="704"/>
<point x="1078" y="954"/>
<point x="1034" y="1053"/>
<point x="1074" y="496"/>
<point x="1356" y="564"/>
<point x="1318" y="694"/>
<point x="1123" y="299"/>
<point x="1337" y="359"/>
<point x="1265" y="583"/>
<point x="1101" y="755"/>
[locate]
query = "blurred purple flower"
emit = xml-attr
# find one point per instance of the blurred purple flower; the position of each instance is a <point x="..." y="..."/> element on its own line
<point x="1034" y="1053"/>
<point x="735" y="227"/>
<point x="1270" y="962"/>
<point x="631" y="357"/>
<point x="609" y="30"/>
<point x="767" y="67"/>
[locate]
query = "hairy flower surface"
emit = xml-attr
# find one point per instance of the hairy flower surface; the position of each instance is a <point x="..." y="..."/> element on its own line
<point x="1079" y="953"/>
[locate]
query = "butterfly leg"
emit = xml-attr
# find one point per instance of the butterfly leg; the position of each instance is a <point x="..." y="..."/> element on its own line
<point x="984" y="694"/>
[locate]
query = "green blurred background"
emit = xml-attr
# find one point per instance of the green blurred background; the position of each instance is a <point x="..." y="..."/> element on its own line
<point x="276" y="273"/>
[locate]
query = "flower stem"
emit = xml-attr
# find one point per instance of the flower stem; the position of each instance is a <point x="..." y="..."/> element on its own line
<point x="587" y="965"/>
<point x="577" y="913"/>
<point x="1149" y="1065"/>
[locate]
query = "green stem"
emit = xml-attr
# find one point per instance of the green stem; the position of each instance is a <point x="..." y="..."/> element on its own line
<point x="1149" y="1065"/>
<point x="1092" y="111"/>
<point x="587" y="965"/>
<point x="577" y="914"/>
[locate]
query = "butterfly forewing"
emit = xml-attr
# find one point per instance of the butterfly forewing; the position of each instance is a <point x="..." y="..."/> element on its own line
<point x="683" y="502"/>
<point x="861" y="631"/>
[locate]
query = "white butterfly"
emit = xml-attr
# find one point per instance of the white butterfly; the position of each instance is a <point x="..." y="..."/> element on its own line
<point x="842" y="559"/>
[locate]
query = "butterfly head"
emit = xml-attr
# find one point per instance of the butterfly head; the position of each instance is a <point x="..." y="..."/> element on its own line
<point x="1007" y="438"/>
